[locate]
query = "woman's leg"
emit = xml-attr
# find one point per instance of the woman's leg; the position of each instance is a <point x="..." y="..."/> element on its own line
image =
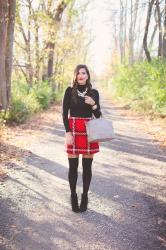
<point x="72" y="177"/>
<point x="86" y="177"/>
<point x="87" y="172"/>
<point x="73" y="173"/>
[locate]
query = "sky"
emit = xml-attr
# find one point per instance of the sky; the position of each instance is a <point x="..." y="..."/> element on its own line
<point x="98" y="16"/>
<point x="99" y="23"/>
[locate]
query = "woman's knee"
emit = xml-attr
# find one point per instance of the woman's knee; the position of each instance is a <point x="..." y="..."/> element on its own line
<point x="90" y="156"/>
<point x="73" y="156"/>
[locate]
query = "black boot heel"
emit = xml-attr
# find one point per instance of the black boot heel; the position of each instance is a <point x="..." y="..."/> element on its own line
<point x="84" y="202"/>
<point x="74" y="203"/>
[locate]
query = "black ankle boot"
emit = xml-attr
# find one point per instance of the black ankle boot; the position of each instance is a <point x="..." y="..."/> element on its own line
<point x="84" y="202"/>
<point x="74" y="203"/>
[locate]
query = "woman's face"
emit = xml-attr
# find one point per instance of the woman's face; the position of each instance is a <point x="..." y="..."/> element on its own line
<point x="82" y="76"/>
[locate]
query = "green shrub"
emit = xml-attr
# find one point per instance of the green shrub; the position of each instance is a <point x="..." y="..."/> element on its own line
<point x="19" y="112"/>
<point x="27" y="100"/>
<point x="32" y="104"/>
<point x="43" y="93"/>
<point x="143" y="85"/>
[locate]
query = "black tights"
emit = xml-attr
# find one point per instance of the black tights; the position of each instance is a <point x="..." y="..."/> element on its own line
<point x="86" y="175"/>
<point x="73" y="174"/>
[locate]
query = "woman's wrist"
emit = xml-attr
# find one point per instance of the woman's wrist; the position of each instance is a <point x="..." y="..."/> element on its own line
<point x="94" y="106"/>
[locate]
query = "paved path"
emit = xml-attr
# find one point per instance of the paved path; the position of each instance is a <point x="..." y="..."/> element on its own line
<point x="127" y="194"/>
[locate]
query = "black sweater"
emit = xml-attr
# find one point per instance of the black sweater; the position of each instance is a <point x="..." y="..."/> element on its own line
<point x="79" y="109"/>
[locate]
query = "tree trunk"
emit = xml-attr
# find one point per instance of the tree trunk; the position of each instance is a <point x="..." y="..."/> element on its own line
<point x="153" y="36"/>
<point x="9" y="46"/>
<point x="37" y="57"/>
<point x="125" y="29"/>
<point x="7" y="17"/>
<point x="160" y="28"/>
<point x="121" y="29"/>
<point x="164" y="35"/>
<point x="147" y="29"/>
<point x="136" y="7"/>
<point x="30" y="65"/>
<point x="51" y="45"/>
<point x="131" y="59"/>
<point x="28" y="72"/>
<point x="3" y="38"/>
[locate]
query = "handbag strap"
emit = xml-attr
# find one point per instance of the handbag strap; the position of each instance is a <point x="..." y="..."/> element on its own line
<point x="101" y="116"/>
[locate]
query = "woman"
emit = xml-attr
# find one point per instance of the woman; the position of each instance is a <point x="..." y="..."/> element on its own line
<point x="82" y="101"/>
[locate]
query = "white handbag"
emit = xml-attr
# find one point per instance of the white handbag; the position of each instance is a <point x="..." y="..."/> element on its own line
<point x="99" y="130"/>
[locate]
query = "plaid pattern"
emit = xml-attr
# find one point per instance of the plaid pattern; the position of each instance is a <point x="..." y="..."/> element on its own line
<point x="81" y="144"/>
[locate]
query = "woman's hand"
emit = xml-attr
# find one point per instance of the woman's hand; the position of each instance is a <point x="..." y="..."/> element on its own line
<point x="69" y="138"/>
<point x="89" y="100"/>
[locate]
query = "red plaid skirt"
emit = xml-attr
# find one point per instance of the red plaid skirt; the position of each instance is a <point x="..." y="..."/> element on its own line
<point x="80" y="144"/>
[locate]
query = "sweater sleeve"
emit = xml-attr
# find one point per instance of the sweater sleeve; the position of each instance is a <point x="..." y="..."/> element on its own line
<point x="66" y="106"/>
<point x="97" y="112"/>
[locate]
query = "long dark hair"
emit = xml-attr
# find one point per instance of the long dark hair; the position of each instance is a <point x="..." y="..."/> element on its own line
<point x="75" y="83"/>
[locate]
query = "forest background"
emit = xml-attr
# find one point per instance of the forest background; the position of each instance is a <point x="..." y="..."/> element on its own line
<point x="41" y="42"/>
